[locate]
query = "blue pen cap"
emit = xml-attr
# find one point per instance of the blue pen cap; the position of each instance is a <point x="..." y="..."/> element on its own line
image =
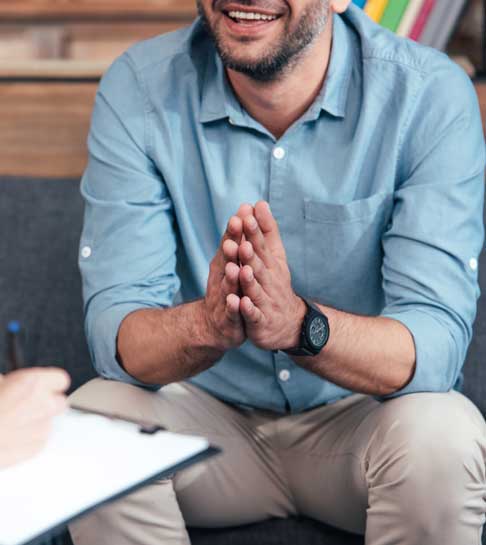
<point x="14" y="327"/>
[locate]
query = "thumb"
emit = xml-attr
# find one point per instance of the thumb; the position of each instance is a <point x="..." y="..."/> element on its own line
<point x="52" y="379"/>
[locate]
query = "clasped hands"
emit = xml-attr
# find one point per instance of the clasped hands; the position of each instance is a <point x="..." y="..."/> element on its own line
<point x="249" y="293"/>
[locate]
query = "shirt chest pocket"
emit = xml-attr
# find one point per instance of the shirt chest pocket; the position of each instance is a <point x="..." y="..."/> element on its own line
<point x="343" y="252"/>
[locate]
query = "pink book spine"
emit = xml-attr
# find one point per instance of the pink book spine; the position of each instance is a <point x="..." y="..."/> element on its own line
<point x="421" y="21"/>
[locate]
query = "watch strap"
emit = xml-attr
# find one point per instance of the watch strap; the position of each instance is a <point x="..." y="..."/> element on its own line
<point x="304" y="348"/>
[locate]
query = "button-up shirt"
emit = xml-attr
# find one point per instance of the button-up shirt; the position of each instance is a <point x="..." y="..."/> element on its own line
<point x="377" y="190"/>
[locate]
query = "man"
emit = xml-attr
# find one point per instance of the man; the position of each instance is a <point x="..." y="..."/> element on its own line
<point x="29" y="400"/>
<point x="308" y="316"/>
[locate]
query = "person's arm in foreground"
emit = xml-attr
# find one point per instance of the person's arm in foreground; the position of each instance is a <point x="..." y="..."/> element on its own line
<point x="29" y="400"/>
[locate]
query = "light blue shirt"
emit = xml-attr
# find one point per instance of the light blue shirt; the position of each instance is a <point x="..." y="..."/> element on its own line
<point x="377" y="189"/>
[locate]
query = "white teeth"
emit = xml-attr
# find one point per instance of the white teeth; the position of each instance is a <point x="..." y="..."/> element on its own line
<point x="251" y="15"/>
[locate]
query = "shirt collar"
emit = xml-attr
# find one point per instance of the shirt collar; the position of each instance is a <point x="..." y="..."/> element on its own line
<point x="214" y="91"/>
<point x="334" y="93"/>
<point x="218" y="100"/>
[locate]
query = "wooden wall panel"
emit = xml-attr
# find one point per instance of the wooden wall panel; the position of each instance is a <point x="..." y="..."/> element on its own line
<point x="43" y="128"/>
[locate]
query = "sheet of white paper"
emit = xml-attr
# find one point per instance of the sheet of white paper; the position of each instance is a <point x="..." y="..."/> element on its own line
<point x="87" y="460"/>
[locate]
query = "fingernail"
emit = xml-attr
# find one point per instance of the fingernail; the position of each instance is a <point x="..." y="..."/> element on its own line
<point x="252" y="223"/>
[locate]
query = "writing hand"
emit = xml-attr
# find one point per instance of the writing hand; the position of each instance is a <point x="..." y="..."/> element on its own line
<point x="29" y="400"/>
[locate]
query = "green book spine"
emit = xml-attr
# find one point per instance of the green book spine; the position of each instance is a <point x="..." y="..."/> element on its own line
<point x="393" y="14"/>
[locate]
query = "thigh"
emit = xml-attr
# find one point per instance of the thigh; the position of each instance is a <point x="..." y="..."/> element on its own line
<point x="320" y="450"/>
<point x="243" y="484"/>
<point x="358" y="457"/>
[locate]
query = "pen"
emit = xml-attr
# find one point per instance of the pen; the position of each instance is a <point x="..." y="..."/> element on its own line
<point x="15" y="359"/>
<point x="149" y="428"/>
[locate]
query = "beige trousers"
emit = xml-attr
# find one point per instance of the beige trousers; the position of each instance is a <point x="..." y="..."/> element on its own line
<point x="409" y="471"/>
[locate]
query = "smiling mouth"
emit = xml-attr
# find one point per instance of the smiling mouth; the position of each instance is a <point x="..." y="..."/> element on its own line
<point x="249" y="17"/>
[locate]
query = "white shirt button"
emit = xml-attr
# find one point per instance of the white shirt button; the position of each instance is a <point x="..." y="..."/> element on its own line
<point x="230" y="120"/>
<point x="279" y="153"/>
<point x="284" y="375"/>
<point x="85" y="252"/>
<point x="473" y="263"/>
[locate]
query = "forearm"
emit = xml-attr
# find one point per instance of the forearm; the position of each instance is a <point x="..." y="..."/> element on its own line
<point x="160" y="346"/>
<point x="372" y="355"/>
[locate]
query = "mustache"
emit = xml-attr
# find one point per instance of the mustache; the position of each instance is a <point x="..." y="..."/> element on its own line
<point x="270" y="5"/>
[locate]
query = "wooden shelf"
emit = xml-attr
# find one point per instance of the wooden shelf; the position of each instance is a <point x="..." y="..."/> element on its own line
<point x="44" y="10"/>
<point x="74" y="40"/>
<point x="53" y="69"/>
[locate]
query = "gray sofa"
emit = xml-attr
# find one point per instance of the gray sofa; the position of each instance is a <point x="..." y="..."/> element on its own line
<point x="40" y="223"/>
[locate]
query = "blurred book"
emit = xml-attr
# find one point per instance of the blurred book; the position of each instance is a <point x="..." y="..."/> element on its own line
<point x="421" y="20"/>
<point x="393" y="14"/>
<point x="430" y="22"/>
<point x="442" y="22"/>
<point x="409" y="18"/>
<point x="375" y="9"/>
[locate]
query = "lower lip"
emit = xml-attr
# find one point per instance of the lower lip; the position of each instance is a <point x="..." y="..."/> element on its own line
<point x="251" y="29"/>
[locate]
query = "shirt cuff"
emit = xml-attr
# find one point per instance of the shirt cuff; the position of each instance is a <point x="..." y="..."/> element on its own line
<point x="102" y="340"/>
<point x="435" y="361"/>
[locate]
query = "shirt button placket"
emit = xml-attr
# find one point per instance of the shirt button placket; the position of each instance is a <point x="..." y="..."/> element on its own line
<point x="278" y="161"/>
<point x="277" y="204"/>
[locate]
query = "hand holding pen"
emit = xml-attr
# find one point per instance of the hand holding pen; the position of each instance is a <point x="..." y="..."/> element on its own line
<point x="29" y="400"/>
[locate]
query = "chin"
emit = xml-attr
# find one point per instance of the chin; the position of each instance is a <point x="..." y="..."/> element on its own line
<point x="246" y="52"/>
<point x="243" y="60"/>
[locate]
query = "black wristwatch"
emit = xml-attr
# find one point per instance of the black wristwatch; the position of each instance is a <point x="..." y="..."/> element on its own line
<point x="314" y="333"/>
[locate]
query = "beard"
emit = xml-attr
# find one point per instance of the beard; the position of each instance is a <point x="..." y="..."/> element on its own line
<point x="281" y="56"/>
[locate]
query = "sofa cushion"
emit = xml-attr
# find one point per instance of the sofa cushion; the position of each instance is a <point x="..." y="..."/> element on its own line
<point x="475" y="367"/>
<point x="40" y="222"/>
<point x="295" y="531"/>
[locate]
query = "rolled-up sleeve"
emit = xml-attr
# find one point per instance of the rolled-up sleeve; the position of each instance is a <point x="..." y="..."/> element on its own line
<point x="432" y="244"/>
<point x="128" y="246"/>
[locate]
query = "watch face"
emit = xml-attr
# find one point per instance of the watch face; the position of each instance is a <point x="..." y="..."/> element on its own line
<point x="318" y="332"/>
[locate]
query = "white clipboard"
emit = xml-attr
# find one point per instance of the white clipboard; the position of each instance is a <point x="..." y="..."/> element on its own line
<point x="88" y="461"/>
